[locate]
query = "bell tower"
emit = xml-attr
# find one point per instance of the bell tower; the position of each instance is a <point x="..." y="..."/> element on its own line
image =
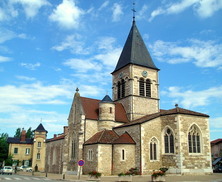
<point x="135" y="78"/>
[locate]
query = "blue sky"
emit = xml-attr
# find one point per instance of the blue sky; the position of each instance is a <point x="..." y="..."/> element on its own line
<point x="50" y="47"/>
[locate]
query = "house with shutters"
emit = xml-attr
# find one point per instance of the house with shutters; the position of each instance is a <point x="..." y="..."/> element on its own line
<point x="130" y="130"/>
<point x="29" y="151"/>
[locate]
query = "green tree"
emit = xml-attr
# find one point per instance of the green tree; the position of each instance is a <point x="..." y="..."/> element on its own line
<point x="30" y="133"/>
<point x="18" y="133"/>
<point x="3" y="147"/>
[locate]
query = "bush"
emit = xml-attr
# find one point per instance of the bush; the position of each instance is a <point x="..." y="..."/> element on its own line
<point x="95" y="174"/>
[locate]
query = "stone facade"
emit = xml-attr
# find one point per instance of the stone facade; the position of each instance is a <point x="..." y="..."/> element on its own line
<point x="131" y="130"/>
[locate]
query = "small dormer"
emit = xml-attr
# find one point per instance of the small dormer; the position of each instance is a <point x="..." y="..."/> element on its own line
<point x="106" y="113"/>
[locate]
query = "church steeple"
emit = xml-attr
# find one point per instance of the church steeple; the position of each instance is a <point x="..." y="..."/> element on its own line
<point x="135" y="51"/>
<point x="135" y="78"/>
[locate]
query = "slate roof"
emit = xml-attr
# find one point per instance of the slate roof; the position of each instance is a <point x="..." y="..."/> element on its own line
<point x="107" y="99"/>
<point x="110" y="137"/>
<point x="176" y="110"/>
<point x="17" y="140"/>
<point x="135" y="51"/>
<point x="40" y="128"/>
<point x="91" y="109"/>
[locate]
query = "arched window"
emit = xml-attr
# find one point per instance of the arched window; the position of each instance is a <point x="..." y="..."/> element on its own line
<point x="73" y="150"/>
<point x="141" y="87"/>
<point x="123" y="88"/>
<point x="168" y="141"/>
<point x="145" y="87"/>
<point x="118" y="90"/>
<point x="194" y="139"/>
<point x="148" y="88"/>
<point x="153" y="149"/>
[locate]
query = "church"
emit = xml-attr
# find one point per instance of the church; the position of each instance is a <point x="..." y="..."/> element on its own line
<point x="130" y="130"/>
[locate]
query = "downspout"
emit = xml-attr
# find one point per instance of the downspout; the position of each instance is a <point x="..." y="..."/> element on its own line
<point x="140" y="151"/>
<point x="112" y="160"/>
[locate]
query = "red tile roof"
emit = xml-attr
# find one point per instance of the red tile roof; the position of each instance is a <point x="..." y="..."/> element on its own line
<point x="102" y="137"/>
<point x="176" y="110"/>
<point x="60" y="137"/>
<point x="91" y="109"/>
<point x="125" y="138"/>
<point x="219" y="140"/>
<point x="110" y="137"/>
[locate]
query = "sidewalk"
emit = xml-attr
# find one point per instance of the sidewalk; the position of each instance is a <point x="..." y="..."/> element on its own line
<point x="216" y="177"/>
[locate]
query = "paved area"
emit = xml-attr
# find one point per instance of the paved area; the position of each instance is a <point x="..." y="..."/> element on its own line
<point x="216" y="177"/>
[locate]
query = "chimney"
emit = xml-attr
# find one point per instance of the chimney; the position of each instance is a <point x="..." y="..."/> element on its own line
<point x="55" y="136"/>
<point x="65" y="130"/>
<point x="22" y="139"/>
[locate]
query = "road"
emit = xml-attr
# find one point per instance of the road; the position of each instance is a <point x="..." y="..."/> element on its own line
<point x="15" y="178"/>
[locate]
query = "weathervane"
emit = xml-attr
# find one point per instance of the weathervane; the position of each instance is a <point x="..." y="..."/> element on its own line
<point x="134" y="11"/>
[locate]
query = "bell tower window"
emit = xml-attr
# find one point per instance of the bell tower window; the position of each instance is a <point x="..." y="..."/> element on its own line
<point x="121" y="89"/>
<point x="145" y="87"/>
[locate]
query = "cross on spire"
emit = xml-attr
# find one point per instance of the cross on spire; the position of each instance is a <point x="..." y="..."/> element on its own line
<point x="134" y="11"/>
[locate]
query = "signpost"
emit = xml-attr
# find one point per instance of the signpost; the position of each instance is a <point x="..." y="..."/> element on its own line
<point x="80" y="163"/>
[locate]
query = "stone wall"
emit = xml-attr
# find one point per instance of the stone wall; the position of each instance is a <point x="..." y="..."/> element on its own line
<point x="137" y="106"/>
<point x="195" y="162"/>
<point x="134" y="132"/>
<point x="90" y="165"/>
<point x="54" y="158"/>
<point x="121" y="165"/>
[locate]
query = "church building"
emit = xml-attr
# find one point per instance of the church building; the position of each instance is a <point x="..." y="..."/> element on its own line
<point x="130" y="130"/>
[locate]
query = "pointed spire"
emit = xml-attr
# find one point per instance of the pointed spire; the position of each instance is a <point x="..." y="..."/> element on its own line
<point x="135" y="51"/>
<point x="41" y="128"/>
<point x="107" y="99"/>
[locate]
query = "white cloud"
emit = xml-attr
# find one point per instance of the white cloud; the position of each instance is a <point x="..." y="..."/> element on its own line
<point x="117" y="12"/>
<point x="67" y="14"/>
<point x="4" y="59"/>
<point x="81" y="65"/>
<point x="31" y="7"/>
<point x="201" y="53"/>
<point x="109" y="58"/>
<point x="190" y="98"/>
<point x="203" y="8"/>
<point x="6" y="35"/>
<point x="25" y="78"/>
<point x="32" y="94"/>
<point x="30" y="66"/>
<point x="142" y="13"/>
<point x="216" y="122"/>
<point x="74" y="43"/>
<point x="104" y="5"/>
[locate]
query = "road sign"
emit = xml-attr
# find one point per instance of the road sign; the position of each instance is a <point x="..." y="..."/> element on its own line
<point x="81" y="162"/>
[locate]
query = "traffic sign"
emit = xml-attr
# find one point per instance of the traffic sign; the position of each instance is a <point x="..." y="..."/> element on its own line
<point x="81" y="162"/>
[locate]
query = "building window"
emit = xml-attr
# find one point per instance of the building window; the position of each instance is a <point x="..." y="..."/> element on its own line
<point x="168" y="141"/>
<point x="39" y="144"/>
<point x="121" y="89"/>
<point x="194" y="140"/>
<point x="38" y="155"/>
<point x="73" y="150"/>
<point x="141" y="86"/>
<point x="148" y="88"/>
<point x="90" y="155"/>
<point x="153" y="149"/>
<point x="27" y="151"/>
<point x="15" y="150"/>
<point x="144" y="87"/>
<point x="123" y="155"/>
<point x="111" y="110"/>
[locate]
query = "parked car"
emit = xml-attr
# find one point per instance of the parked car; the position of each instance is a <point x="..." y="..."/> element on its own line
<point x="7" y="170"/>
<point x="217" y="169"/>
<point x="28" y="169"/>
<point x="24" y="168"/>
